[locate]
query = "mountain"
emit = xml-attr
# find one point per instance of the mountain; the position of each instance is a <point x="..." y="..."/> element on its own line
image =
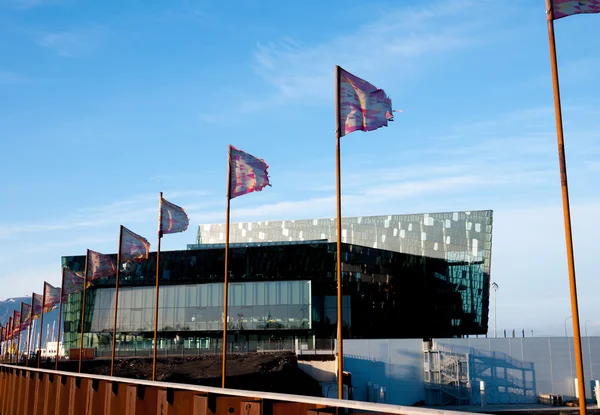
<point x="8" y="306"/>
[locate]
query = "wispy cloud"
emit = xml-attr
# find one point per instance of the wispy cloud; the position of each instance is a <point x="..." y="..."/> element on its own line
<point x="399" y="43"/>
<point x="79" y="43"/>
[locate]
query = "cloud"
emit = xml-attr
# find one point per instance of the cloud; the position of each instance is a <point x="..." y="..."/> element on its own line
<point x="399" y="43"/>
<point x="79" y="43"/>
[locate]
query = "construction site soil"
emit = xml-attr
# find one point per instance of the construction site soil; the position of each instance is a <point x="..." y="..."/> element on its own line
<point x="272" y="372"/>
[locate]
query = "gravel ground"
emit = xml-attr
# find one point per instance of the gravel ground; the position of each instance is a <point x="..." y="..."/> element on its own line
<point x="272" y="372"/>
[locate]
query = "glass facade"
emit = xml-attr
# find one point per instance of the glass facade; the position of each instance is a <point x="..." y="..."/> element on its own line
<point x="288" y="289"/>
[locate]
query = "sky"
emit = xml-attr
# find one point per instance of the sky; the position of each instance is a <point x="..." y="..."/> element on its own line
<point x="105" y="104"/>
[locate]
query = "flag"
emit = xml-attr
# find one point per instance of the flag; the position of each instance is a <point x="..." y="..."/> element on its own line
<point x="16" y="322"/>
<point x="247" y="173"/>
<point x="99" y="266"/>
<point x="9" y="328"/>
<point x="51" y="297"/>
<point x="133" y="246"/>
<point x="73" y="282"/>
<point x="173" y="218"/>
<point x="362" y="107"/>
<point x="26" y="308"/>
<point x="564" y="8"/>
<point x="37" y="307"/>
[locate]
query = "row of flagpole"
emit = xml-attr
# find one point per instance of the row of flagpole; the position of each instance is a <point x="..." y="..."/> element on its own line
<point x="359" y="106"/>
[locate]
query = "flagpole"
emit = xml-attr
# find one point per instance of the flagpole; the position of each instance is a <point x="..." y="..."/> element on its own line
<point x="29" y="330"/>
<point x="83" y="295"/>
<point x="19" y="339"/>
<point x="10" y="350"/>
<point x="60" y="307"/>
<point x="338" y="186"/>
<point x="156" y="289"/>
<point x="226" y="276"/>
<point x="114" y="339"/>
<point x="566" y="211"/>
<point x="12" y="326"/>
<point x="39" y="352"/>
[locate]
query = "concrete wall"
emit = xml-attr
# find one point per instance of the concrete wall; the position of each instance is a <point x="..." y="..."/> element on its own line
<point x="515" y="370"/>
<point x="325" y="371"/>
<point x="394" y="364"/>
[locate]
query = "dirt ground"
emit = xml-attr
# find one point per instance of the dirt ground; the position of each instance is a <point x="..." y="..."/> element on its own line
<point x="272" y="372"/>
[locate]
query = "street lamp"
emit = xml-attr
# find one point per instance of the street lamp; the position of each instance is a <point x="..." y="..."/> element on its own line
<point x="589" y="350"/>
<point x="569" y="346"/>
<point x="495" y="288"/>
<point x="586" y="328"/>
<point x="566" y="325"/>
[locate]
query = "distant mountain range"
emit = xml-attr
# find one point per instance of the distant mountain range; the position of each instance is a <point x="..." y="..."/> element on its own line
<point x="8" y="306"/>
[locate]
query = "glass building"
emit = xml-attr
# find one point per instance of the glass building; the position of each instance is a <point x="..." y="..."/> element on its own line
<point x="403" y="276"/>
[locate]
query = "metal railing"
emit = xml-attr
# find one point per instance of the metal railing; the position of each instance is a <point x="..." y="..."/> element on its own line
<point x="37" y="391"/>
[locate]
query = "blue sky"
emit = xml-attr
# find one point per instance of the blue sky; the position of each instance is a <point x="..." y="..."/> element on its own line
<point x="104" y="104"/>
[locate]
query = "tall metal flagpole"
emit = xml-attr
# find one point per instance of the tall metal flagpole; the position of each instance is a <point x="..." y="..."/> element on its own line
<point x="39" y="350"/>
<point x="114" y="339"/>
<point x="29" y="330"/>
<point x="156" y="288"/>
<point x="83" y="295"/>
<point x="566" y="211"/>
<point x="19" y="330"/>
<point x="226" y="277"/>
<point x="338" y="186"/>
<point x="60" y="307"/>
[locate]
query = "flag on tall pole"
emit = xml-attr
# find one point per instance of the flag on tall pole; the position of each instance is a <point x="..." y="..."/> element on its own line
<point x="9" y="336"/>
<point x="248" y="173"/>
<point x="556" y="9"/>
<point x="50" y="298"/>
<point x="72" y="282"/>
<point x="359" y="106"/>
<point x="99" y="266"/>
<point x="84" y="284"/>
<point x="36" y="310"/>
<point x="25" y="325"/>
<point x="245" y="174"/>
<point x="564" y="8"/>
<point x="19" y="326"/>
<point x="132" y="247"/>
<point x="37" y="305"/>
<point x="171" y="219"/>
<point x="362" y="106"/>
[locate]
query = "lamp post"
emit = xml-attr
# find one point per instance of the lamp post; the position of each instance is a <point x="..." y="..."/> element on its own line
<point x="589" y="351"/>
<point x="569" y="346"/>
<point x="495" y="288"/>
<point x="566" y="325"/>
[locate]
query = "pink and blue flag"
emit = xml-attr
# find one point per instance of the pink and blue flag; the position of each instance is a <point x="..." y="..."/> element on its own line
<point x="26" y="316"/>
<point x="73" y="283"/>
<point x="99" y="266"/>
<point x="173" y="218"/>
<point x="133" y="246"/>
<point x="247" y="173"/>
<point x="37" y="305"/>
<point x="564" y="8"/>
<point x="51" y="297"/>
<point x="363" y="107"/>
